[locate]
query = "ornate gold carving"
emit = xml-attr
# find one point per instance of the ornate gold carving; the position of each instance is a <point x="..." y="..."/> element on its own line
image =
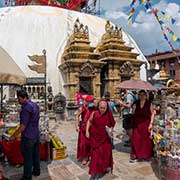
<point x="86" y="69"/>
<point x="112" y="32"/>
<point x="80" y="31"/>
<point x="127" y="69"/>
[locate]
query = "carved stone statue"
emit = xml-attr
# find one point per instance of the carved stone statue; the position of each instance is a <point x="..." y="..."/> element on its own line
<point x="50" y="98"/>
<point x="127" y="69"/>
<point x="60" y="106"/>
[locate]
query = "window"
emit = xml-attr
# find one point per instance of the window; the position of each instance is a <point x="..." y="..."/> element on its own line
<point x="161" y="63"/>
<point x="152" y="64"/>
<point x="172" y="73"/>
<point x="172" y="62"/>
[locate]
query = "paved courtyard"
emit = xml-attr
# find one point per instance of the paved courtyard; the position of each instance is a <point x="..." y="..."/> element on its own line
<point x="70" y="168"/>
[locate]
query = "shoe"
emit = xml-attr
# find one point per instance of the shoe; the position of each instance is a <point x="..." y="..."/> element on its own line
<point x="96" y="177"/>
<point x="84" y="162"/>
<point x="147" y="160"/>
<point x="133" y="160"/>
<point x="127" y="145"/>
<point x="127" y="142"/>
<point x="36" y="174"/>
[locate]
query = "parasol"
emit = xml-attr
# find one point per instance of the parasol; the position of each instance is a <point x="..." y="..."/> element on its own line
<point x="10" y="73"/>
<point x="136" y="84"/>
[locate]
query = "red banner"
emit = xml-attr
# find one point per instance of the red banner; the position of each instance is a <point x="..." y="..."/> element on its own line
<point x="72" y="4"/>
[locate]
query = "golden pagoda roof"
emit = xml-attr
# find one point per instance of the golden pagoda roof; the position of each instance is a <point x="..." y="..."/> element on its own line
<point x="78" y="46"/>
<point x="122" y="59"/>
<point x="112" y="45"/>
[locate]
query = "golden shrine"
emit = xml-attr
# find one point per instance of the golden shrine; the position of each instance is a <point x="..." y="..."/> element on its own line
<point x="95" y="70"/>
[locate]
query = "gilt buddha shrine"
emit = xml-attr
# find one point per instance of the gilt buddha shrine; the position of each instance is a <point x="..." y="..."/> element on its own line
<point x="95" y="70"/>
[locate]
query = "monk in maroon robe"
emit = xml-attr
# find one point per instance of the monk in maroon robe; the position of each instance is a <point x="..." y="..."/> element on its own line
<point x="142" y="120"/>
<point x="83" y="148"/>
<point x="101" y="147"/>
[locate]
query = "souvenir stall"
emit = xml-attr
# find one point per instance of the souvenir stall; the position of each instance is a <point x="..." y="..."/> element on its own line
<point x="12" y="77"/>
<point x="167" y="136"/>
<point x="51" y="147"/>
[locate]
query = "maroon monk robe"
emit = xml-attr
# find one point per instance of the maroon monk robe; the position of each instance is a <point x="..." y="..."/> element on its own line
<point x="83" y="151"/>
<point x="142" y="145"/>
<point x="80" y="136"/>
<point x="101" y="148"/>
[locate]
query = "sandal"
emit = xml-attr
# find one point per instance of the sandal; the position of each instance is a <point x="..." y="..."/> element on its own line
<point x="84" y="162"/>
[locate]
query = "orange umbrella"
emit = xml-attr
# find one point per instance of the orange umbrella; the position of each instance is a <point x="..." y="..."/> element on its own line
<point x="136" y="84"/>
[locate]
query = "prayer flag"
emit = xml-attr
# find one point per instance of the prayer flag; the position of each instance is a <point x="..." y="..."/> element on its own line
<point x="155" y="11"/>
<point x="174" y="37"/>
<point x="147" y="5"/>
<point x="131" y="13"/>
<point x="173" y="20"/>
<point x="178" y="40"/>
<point x="161" y="22"/>
<point x="132" y="3"/>
<point x="142" y="1"/>
<point x="166" y="17"/>
<point x="162" y="12"/>
<point x="168" y="29"/>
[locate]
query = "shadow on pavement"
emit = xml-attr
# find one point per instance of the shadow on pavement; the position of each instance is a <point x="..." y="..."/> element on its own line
<point x="154" y="165"/>
<point x="121" y="148"/>
<point x="16" y="172"/>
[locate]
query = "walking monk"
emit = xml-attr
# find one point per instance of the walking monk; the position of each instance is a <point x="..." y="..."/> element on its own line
<point x="101" y="147"/>
<point x="142" y="122"/>
<point x="83" y="148"/>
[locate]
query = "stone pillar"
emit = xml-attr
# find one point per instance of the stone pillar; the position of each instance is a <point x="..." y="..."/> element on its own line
<point x="116" y="81"/>
<point x="71" y="85"/>
<point x="110" y="80"/>
<point x="97" y="85"/>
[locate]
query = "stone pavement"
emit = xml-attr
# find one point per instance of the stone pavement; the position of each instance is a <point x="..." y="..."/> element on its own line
<point x="71" y="169"/>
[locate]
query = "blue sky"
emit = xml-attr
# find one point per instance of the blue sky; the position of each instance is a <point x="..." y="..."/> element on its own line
<point x="145" y="30"/>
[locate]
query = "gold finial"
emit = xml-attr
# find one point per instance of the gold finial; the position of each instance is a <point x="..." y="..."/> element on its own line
<point x="114" y="32"/>
<point x="80" y="31"/>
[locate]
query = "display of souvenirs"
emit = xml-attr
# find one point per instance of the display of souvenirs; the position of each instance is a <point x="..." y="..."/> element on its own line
<point x="167" y="141"/>
<point x="58" y="150"/>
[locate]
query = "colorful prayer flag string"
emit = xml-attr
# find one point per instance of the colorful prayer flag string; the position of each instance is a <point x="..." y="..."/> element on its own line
<point x="132" y="3"/>
<point x="148" y="7"/>
<point x="168" y="17"/>
<point x="131" y="15"/>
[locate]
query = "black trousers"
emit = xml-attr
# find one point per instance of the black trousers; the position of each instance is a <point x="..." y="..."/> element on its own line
<point x="30" y="152"/>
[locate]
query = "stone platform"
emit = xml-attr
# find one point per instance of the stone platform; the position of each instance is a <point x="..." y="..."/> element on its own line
<point x="71" y="169"/>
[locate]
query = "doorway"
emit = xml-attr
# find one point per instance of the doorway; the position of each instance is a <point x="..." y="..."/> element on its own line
<point x="85" y="85"/>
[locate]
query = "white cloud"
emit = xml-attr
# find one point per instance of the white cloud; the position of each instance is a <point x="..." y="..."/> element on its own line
<point x="115" y="15"/>
<point x="146" y="30"/>
<point x="114" y="4"/>
<point x="172" y="9"/>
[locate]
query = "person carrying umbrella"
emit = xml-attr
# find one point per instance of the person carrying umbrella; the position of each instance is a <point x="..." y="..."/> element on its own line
<point x="142" y="126"/>
<point x="130" y="98"/>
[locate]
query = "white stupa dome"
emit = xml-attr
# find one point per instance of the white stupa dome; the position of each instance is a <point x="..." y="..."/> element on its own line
<point x="27" y="30"/>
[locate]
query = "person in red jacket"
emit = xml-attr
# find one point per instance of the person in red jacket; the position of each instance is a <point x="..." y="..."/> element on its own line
<point x="83" y="114"/>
